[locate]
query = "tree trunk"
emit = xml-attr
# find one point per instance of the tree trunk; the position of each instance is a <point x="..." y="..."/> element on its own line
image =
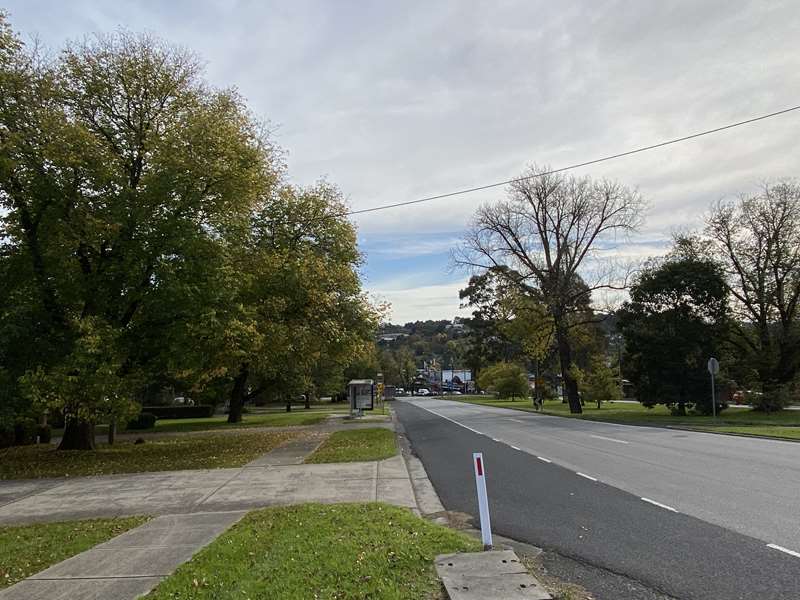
<point x="78" y="435"/>
<point x="288" y="404"/>
<point x="112" y="432"/>
<point x="565" y="358"/>
<point x="308" y="400"/>
<point x="238" y="395"/>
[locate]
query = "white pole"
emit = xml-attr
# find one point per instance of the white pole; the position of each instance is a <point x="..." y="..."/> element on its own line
<point x="713" y="398"/>
<point x="483" y="499"/>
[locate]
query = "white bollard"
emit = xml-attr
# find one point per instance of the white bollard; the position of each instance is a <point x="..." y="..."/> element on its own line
<point x="483" y="499"/>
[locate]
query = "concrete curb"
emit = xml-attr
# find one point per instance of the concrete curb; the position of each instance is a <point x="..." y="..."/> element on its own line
<point x="425" y="494"/>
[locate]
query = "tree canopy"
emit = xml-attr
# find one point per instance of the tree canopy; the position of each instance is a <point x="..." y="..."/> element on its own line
<point x="675" y="321"/>
<point x="149" y="237"/>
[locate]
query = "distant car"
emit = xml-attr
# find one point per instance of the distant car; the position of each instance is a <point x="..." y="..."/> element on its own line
<point x="184" y="401"/>
<point x="423" y="392"/>
<point x="455" y="393"/>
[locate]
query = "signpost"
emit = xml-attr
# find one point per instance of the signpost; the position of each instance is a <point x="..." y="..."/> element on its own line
<point x="483" y="499"/>
<point x="713" y="368"/>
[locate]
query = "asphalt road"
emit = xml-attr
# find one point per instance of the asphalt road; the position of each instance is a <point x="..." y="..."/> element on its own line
<point x="687" y="514"/>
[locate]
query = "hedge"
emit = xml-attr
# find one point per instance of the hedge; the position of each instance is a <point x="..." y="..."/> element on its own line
<point x="180" y="412"/>
<point x="145" y="420"/>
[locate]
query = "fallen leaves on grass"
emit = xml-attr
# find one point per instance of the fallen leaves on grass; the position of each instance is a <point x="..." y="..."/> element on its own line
<point x="162" y="454"/>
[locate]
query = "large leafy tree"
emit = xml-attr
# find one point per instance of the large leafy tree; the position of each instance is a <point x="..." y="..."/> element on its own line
<point x="122" y="173"/>
<point x="486" y="341"/>
<point x="676" y="319"/>
<point x="297" y="311"/>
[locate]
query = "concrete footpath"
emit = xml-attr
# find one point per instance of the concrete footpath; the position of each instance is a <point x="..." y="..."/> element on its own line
<point x="178" y="492"/>
<point x="191" y="507"/>
<point x="129" y="565"/>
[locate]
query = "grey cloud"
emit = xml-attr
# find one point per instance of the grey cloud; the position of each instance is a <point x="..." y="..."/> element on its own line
<point x="394" y="101"/>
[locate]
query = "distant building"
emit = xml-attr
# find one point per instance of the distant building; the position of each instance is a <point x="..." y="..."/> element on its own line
<point x="457" y="325"/>
<point x="391" y="337"/>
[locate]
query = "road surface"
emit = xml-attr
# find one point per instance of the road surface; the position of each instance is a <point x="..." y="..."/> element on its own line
<point x="691" y="515"/>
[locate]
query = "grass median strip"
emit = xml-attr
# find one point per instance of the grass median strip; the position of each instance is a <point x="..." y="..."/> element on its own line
<point x="28" y="549"/>
<point x="174" y="453"/>
<point x="356" y="445"/>
<point x="341" y="551"/>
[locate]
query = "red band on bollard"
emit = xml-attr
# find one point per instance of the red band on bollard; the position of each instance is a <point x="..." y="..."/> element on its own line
<point x="479" y="462"/>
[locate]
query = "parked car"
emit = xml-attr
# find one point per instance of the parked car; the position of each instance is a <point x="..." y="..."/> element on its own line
<point x="456" y="393"/>
<point x="423" y="392"/>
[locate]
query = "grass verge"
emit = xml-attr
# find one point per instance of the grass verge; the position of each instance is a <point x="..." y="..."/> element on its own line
<point x="340" y="551"/>
<point x="276" y="419"/>
<point x="356" y="445"/>
<point x="28" y="549"/>
<point x="785" y="424"/>
<point x="163" y="454"/>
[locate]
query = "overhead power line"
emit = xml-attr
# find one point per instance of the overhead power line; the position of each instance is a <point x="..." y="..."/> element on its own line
<point x="569" y="167"/>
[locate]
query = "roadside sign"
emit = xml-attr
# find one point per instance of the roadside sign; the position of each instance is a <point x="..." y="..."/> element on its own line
<point x="483" y="499"/>
<point x="713" y="366"/>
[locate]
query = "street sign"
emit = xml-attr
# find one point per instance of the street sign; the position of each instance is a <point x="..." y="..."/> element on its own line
<point x="483" y="499"/>
<point x="713" y="366"/>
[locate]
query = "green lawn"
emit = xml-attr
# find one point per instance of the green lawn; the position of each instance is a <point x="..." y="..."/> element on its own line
<point x="28" y="549"/>
<point x="736" y="420"/>
<point x="270" y="419"/>
<point x="356" y="445"/>
<point x="272" y="416"/>
<point x="327" y="552"/>
<point x="162" y="454"/>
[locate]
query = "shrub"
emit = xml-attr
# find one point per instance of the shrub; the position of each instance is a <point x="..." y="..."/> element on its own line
<point x="45" y="433"/>
<point x="25" y="432"/>
<point x="181" y="412"/>
<point x="775" y="397"/>
<point x="145" y="420"/>
<point x="600" y="383"/>
<point x="6" y="437"/>
<point x="507" y="380"/>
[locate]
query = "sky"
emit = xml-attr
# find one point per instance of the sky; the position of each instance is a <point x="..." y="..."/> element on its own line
<point x="393" y="101"/>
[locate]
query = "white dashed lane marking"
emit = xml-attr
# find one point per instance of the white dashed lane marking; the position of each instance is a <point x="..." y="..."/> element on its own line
<point x="664" y="506"/>
<point x="542" y="458"/>
<point x="608" y="439"/>
<point x="782" y="549"/>
<point x="585" y="476"/>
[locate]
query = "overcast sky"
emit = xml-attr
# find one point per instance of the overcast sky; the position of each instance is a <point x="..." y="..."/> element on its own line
<point x="397" y="100"/>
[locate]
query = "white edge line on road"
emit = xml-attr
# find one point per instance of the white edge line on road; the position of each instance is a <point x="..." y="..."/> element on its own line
<point x="516" y="420"/>
<point x="664" y="506"/>
<point x="449" y="419"/>
<point x="543" y="459"/>
<point x="608" y="439"/>
<point x="585" y="476"/>
<point x="782" y="549"/>
<point x="496" y="440"/>
<point x="515" y="448"/>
